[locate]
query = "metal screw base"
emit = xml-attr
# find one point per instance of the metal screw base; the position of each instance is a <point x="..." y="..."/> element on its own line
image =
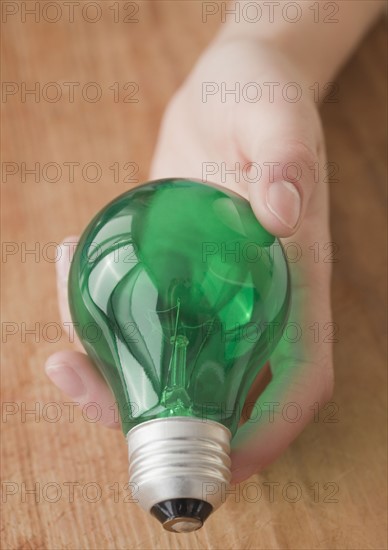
<point x="179" y="458"/>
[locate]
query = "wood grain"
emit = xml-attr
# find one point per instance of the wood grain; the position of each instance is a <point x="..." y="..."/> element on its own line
<point x="350" y="454"/>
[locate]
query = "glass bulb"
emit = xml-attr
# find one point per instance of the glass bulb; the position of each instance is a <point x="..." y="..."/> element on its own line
<point x="179" y="296"/>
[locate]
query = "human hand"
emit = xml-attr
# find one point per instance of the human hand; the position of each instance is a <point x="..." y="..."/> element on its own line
<point x="199" y="137"/>
<point x="206" y="138"/>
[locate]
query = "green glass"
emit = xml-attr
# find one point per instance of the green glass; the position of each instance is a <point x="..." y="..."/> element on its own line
<point x="179" y="296"/>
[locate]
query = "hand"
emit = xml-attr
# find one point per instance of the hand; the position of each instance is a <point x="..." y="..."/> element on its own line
<point x="207" y="138"/>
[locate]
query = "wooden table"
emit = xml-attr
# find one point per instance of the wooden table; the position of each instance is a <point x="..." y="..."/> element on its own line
<point x="338" y="467"/>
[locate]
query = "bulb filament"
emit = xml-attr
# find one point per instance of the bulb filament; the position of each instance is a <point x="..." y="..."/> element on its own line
<point x="175" y="396"/>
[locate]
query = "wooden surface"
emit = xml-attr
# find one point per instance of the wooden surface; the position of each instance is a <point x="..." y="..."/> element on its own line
<point x="345" y="457"/>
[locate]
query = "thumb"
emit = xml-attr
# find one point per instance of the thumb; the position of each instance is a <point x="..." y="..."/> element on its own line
<point x="281" y="183"/>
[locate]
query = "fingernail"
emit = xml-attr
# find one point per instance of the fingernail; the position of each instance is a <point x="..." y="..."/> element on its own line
<point x="283" y="200"/>
<point x="66" y="379"/>
<point x="241" y="474"/>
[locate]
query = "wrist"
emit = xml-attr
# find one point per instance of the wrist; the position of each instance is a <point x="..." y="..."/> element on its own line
<point x="300" y="69"/>
<point x="317" y="40"/>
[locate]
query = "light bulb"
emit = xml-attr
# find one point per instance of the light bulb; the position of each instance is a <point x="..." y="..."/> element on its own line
<point x="179" y="296"/>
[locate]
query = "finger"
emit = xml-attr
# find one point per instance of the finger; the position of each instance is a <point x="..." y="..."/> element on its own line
<point x="281" y="413"/>
<point x="66" y="253"/>
<point x="74" y="374"/>
<point x="259" y="384"/>
<point x="283" y="171"/>
<point x="280" y="198"/>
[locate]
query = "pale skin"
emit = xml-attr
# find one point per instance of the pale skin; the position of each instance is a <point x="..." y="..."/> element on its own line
<point x="293" y="205"/>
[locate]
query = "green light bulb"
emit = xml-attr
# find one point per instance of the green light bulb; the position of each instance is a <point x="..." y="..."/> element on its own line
<point x="179" y="296"/>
